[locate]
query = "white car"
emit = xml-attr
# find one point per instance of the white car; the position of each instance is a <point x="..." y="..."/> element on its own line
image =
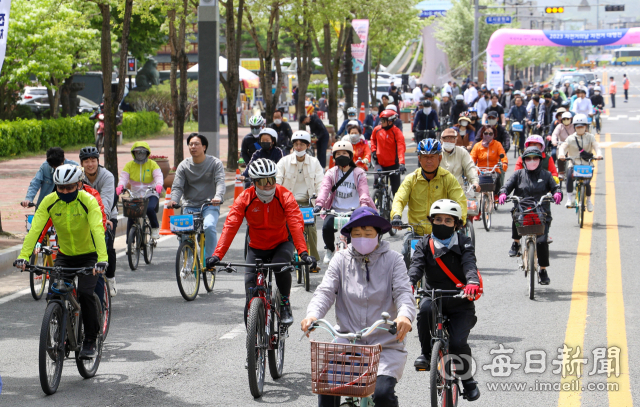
<point x="31" y="92"/>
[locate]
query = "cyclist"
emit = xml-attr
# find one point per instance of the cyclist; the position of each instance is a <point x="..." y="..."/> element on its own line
<point x="251" y="142"/>
<point x="43" y="181"/>
<point x="558" y="121"/>
<point x="352" y="113"/>
<point x="302" y="174"/>
<point x="455" y="250"/>
<point x="99" y="178"/>
<point x="473" y="116"/>
<point x="598" y="104"/>
<point x="317" y="128"/>
<point x="457" y="160"/>
<point x="284" y="132"/>
<point x="561" y="133"/>
<point x="533" y="182"/>
<point x="580" y="146"/>
<point x="272" y="214"/>
<point x="200" y="179"/>
<point x="81" y="242"/>
<point x="582" y="105"/>
<point x="546" y="162"/>
<point x="494" y="106"/>
<point x="426" y="122"/>
<point x="361" y="149"/>
<point x="458" y="108"/>
<point x="487" y="153"/>
<point x="388" y="141"/>
<point x="396" y="122"/>
<point x="536" y="114"/>
<point x="142" y="173"/>
<point x="364" y="281"/>
<point x="423" y="187"/>
<point x="466" y="132"/>
<point x="499" y="131"/>
<point x="445" y="108"/>
<point x="344" y="187"/>
<point x="269" y="149"/>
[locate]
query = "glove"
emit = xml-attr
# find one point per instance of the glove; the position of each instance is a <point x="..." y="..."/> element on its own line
<point x="317" y="209"/>
<point x="557" y="197"/>
<point x="101" y="266"/>
<point x="397" y="221"/>
<point x="19" y="263"/>
<point x="374" y="156"/>
<point x="119" y="189"/>
<point x="402" y="169"/>
<point x="470" y="290"/>
<point x="310" y="260"/>
<point x="502" y="199"/>
<point x="159" y="189"/>
<point x="212" y="261"/>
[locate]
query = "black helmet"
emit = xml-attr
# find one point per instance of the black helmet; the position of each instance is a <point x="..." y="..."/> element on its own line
<point x="426" y="103"/>
<point x="89" y="152"/>
<point x="532" y="152"/>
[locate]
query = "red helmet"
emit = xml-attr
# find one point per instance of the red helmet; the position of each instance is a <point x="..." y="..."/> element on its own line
<point x="389" y="115"/>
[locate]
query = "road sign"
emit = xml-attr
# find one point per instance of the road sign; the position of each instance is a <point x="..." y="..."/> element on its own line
<point x="132" y="66"/>
<point x="498" y="20"/>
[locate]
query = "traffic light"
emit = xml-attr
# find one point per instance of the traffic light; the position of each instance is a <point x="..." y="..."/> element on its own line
<point x="554" y="10"/>
<point x="619" y="7"/>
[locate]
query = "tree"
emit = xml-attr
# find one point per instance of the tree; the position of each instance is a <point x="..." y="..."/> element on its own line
<point x="146" y="34"/>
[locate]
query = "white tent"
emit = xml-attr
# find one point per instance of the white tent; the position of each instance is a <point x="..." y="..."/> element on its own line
<point x="245" y="74"/>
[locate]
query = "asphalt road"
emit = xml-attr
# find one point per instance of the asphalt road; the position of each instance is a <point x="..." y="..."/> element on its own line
<point x="162" y="350"/>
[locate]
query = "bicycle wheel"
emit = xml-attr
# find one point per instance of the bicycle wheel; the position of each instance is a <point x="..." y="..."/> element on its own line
<point x="531" y="264"/>
<point x="209" y="279"/>
<point x="407" y="253"/>
<point x="88" y="367"/>
<point x="437" y="381"/>
<point x="147" y="244"/>
<point x="187" y="271"/>
<point x="486" y="212"/>
<point x="377" y="200"/>
<point x="583" y="204"/>
<point x="106" y="310"/>
<point x="471" y="232"/>
<point x="256" y="347"/>
<point x="133" y="248"/>
<point x="38" y="282"/>
<point x="276" y="356"/>
<point x="50" y="354"/>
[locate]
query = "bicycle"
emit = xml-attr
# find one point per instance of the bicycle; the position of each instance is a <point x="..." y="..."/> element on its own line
<point x="382" y="195"/>
<point x="190" y="258"/>
<point x="339" y="220"/>
<point x="303" y="272"/>
<point x="517" y="129"/>
<point x="473" y="209"/>
<point x="62" y="330"/>
<point x="530" y="223"/>
<point x="38" y="282"/>
<point x="444" y="385"/>
<point x="265" y="333"/>
<point x="581" y="173"/>
<point x="139" y="235"/>
<point x="347" y="369"/>
<point x="488" y="178"/>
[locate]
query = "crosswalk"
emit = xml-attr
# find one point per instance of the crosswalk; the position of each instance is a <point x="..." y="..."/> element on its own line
<point x="618" y="69"/>
<point x="621" y="117"/>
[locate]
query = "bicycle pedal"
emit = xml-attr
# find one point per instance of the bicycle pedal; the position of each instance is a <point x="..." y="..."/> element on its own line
<point x="421" y="369"/>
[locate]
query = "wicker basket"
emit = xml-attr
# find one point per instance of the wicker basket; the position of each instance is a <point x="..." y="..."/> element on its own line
<point x="487" y="183"/>
<point x="529" y="222"/>
<point x="339" y="369"/>
<point x="134" y="207"/>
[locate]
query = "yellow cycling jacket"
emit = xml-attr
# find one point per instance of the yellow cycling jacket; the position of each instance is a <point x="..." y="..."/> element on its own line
<point x="420" y="194"/>
<point x="78" y="226"/>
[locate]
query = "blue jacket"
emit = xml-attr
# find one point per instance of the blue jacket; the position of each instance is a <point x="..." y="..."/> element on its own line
<point x="343" y="128"/>
<point x="424" y="122"/>
<point x="517" y="114"/>
<point x="43" y="181"/>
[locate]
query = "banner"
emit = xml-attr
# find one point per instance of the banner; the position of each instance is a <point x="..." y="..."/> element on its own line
<point x="359" y="51"/>
<point x="5" y="8"/>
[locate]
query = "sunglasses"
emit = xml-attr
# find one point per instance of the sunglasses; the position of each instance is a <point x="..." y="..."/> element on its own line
<point x="69" y="187"/>
<point x="488" y="133"/>
<point x="265" y="181"/>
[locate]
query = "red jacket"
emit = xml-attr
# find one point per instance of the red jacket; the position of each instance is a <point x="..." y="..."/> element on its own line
<point x="388" y="145"/>
<point x="267" y="222"/>
<point x="551" y="167"/>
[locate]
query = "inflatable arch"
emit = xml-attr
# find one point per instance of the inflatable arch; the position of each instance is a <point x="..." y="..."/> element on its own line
<point x="508" y="36"/>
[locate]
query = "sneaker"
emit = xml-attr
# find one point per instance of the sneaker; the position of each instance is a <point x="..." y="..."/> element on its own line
<point x="89" y="350"/>
<point x="589" y="204"/>
<point x="515" y="249"/>
<point x="155" y="233"/>
<point x="571" y="198"/>
<point x="112" y="286"/>
<point x="315" y="270"/>
<point x="286" y="318"/>
<point x="543" y="277"/>
<point x="422" y="363"/>
<point x="549" y="240"/>
<point x="328" y="255"/>
<point x="471" y="391"/>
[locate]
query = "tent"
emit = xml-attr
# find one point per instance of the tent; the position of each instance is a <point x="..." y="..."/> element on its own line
<point x="250" y="79"/>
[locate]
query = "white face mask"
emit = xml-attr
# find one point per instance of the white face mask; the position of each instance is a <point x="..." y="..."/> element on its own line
<point x="464" y="123"/>
<point x="581" y="130"/>
<point x="300" y="153"/>
<point x="597" y="92"/>
<point x="355" y="138"/>
<point x="277" y="121"/>
<point x="493" y="122"/>
<point x="462" y="131"/>
<point x="449" y="146"/>
<point x="426" y="110"/>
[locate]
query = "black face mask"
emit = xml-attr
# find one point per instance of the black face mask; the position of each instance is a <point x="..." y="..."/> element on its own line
<point x="343" y="161"/>
<point x="265" y="145"/>
<point x="67" y="198"/>
<point x="442" y="232"/>
<point x="460" y="102"/>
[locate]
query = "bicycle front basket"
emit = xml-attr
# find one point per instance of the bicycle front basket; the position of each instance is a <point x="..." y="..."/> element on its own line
<point x="529" y="222"/>
<point x="517" y="127"/>
<point x="134" y="207"/>
<point x="486" y="183"/>
<point x="344" y="369"/>
<point x="582" y="171"/>
<point x="181" y="223"/>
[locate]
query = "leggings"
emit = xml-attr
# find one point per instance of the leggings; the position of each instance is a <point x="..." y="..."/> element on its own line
<point x="111" y="251"/>
<point x="383" y="396"/>
<point x="394" y="179"/>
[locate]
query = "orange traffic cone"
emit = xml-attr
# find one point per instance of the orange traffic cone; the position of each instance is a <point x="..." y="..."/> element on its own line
<point x="361" y="113"/>
<point x="165" y="228"/>
<point x="239" y="185"/>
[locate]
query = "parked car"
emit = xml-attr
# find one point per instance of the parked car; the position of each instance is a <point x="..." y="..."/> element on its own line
<point x="38" y="104"/>
<point x="86" y="105"/>
<point x="31" y="92"/>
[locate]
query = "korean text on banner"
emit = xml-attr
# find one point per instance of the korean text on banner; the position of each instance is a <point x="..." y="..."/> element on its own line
<point x="359" y="51"/>
<point x="5" y="8"/>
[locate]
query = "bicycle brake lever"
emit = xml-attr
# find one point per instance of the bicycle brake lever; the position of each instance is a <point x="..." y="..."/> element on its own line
<point x="393" y="329"/>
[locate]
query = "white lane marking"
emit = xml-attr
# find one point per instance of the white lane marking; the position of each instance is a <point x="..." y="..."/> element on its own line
<point x="632" y="145"/>
<point x="234" y="332"/>
<point x="14" y="296"/>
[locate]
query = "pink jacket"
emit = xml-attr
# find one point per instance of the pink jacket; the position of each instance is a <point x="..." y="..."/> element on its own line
<point x="325" y="196"/>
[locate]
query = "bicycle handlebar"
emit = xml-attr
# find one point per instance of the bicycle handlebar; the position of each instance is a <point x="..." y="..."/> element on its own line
<point x="288" y="266"/>
<point x="517" y="199"/>
<point x="334" y="213"/>
<point x="390" y="172"/>
<point x="70" y="271"/>
<point x="351" y="336"/>
<point x="433" y="293"/>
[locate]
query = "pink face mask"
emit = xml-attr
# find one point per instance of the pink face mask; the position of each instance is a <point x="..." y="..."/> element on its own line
<point x="532" y="164"/>
<point x="364" y="245"/>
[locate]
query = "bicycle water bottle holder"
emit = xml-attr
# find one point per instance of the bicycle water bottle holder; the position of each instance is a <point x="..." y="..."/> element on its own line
<point x="67" y="287"/>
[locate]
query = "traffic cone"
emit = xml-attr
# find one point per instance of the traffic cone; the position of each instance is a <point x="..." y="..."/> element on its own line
<point x="165" y="228"/>
<point x="239" y="185"/>
<point x="361" y="113"/>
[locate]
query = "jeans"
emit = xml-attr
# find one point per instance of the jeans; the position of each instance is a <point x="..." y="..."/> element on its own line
<point x="321" y="150"/>
<point x="383" y="396"/>
<point x="151" y="214"/>
<point x="210" y="215"/>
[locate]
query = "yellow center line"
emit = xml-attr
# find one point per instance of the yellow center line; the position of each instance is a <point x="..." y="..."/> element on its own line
<point x="616" y="325"/>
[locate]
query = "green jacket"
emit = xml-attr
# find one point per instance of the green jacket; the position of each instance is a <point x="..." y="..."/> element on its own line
<point x="420" y="194"/>
<point x="78" y="226"/>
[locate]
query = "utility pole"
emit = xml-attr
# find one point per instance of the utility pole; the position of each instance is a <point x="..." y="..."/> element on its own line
<point x="474" y="62"/>
<point x="208" y="74"/>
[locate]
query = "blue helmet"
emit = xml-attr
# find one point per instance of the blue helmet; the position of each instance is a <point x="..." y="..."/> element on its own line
<point x="473" y="109"/>
<point x="429" y="146"/>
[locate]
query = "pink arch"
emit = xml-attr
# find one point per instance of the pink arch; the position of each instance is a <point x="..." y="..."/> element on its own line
<point x="509" y="36"/>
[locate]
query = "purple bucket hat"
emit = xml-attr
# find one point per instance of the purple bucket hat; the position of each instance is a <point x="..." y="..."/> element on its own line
<point x="366" y="216"/>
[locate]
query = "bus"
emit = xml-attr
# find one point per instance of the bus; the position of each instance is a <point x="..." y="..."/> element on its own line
<point x="626" y="56"/>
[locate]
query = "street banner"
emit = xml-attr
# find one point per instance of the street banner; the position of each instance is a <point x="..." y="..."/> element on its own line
<point x="5" y="8"/>
<point x="359" y="51"/>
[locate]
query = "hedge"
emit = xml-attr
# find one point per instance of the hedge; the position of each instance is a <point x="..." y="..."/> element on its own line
<point x="22" y="135"/>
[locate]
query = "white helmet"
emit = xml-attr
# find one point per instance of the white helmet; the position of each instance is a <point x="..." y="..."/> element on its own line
<point x="352" y="110"/>
<point x="257" y="121"/>
<point x="459" y="97"/>
<point x="271" y="132"/>
<point x="567" y="115"/>
<point x="353" y="123"/>
<point x="580" y="119"/>
<point x="446" y="207"/>
<point x="301" y="135"/>
<point x="391" y="99"/>
<point x="342" y="146"/>
<point x="67" y="174"/>
<point x="262" y="168"/>
<point x="392" y="107"/>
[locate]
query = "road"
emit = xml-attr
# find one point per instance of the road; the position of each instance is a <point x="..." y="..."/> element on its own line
<point x="163" y="351"/>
